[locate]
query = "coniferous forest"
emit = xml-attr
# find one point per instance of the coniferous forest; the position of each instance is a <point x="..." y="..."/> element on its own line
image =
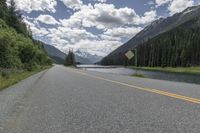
<point x="175" y="48"/>
<point x="18" y="50"/>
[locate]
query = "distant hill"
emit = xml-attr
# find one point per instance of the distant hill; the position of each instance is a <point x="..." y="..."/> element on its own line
<point x="59" y="57"/>
<point x="154" y="29"/>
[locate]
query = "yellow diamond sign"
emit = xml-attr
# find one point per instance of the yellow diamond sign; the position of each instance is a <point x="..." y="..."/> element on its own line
<point x="129" y="54"/>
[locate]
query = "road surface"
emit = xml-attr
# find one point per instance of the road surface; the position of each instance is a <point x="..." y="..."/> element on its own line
<point x="65" y="100"/>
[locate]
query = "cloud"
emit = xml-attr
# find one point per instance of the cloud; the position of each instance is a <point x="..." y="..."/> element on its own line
<point x="175" y="6"/>
<point x="102" y="1"/>
<point x="116" y="25"/>
<point x="36" y="5"/>
<point x="105" y="16"/>
<point x="47" y="19"/>
<point x="148" y="17"/>
<point x="100" y="15"/>
<point x="73" y="4"/>
<point x="97" y="47"/>
<point x="179" y="5"/>
<point x="125" y="32"/>
<point x="162" y="2"/>
<point x="34" y="27"/>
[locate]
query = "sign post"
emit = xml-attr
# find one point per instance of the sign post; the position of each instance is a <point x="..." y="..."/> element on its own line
<point x="129" y="55"/>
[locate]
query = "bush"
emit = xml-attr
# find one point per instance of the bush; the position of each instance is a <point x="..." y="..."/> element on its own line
<point x="5" y="74"/>
<point x="18" y="51"/>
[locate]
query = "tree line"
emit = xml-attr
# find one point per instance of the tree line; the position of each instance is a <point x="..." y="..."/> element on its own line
<point x="18" y="50"/>
<point x="177" y="47"/>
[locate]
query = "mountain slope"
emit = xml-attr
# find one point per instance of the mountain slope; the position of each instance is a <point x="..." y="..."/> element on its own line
<point x="179" y="46"/>
<point x="157" y="27"/>
<point x="57" y="55"/>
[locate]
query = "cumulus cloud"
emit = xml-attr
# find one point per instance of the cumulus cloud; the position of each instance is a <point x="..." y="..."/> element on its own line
<point x="179" y="5"/>
<point x="47" y="19"/>
<point x="125" y="32"/>
<point x="148" y="17"/>
<point x="162" y="2"/>
<point x="175" y="6"/>
<point x="116" y="25"/>
<point x="36" y="5"/>
<point x="105" y="16"/>
<point x="73" y="4"/>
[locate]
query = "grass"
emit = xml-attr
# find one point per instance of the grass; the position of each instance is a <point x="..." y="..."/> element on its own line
<point x="185" y="70"/>
<point x="138" y="75"/>
<point x="7" y="80"/>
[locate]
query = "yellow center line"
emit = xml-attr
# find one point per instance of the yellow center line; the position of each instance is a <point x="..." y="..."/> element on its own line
<point x="164" y="93"/>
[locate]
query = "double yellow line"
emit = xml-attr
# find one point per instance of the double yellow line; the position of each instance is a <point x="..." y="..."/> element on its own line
<point x="164" y="93"/>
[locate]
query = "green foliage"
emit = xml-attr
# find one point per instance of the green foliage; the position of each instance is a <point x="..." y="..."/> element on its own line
<point x="3" y="10"/>
<point x="8" y="55"/>
<point x="3" y="24"/>
<point x="179" y="47"/>
<point x="5" y="74"/>
<point x="70" y="59"/>
<point x="13" y="18"/>
<point x="17" y="48"/>
<point x="18" y="51"/>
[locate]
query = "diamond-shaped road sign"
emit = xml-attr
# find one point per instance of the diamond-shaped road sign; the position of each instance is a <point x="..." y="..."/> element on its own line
<point x="129" y="54"/>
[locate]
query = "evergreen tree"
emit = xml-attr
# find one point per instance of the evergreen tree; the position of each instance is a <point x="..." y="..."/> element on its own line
<point x="3" y="9"/>
<point x="15" y="20"/>
<point x="70" y="59"/>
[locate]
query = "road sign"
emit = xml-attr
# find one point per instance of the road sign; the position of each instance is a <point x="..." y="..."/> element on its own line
<point x="129" y="54"/>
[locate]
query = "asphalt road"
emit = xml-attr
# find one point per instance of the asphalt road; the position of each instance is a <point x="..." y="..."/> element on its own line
<point x="65" y="100"/>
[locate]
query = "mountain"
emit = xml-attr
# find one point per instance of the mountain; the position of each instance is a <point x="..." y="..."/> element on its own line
<point x="80" y="57"/>
<point x="91" y="58"/>
<point x="57" y="55"/>
<point x="156" y="28"/>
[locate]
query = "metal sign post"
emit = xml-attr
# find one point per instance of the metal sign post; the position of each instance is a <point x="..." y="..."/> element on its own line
<point x="129" y="55"/>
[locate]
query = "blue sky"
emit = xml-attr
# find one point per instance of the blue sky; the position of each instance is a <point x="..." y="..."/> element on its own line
<point x="94" y="26"/>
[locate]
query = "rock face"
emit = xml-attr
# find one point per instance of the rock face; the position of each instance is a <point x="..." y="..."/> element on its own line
<point x="157" y="27"/>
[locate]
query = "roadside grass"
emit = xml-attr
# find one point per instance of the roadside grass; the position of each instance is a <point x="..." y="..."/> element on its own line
<point x="184" y="70"/>
<point x="8" y="79"/>
<point x="139" y="75"/>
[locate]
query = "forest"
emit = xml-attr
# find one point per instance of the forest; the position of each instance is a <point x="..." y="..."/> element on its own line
<point x="18" y="49"/>
<point x="179" y="47"/>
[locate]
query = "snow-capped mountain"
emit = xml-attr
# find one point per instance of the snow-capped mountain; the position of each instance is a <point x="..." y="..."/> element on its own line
<point x="80" y="56"/>
<point x="91" y="58"/>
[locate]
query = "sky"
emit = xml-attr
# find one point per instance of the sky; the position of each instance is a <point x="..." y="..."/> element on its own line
<point x="94" y="26"/>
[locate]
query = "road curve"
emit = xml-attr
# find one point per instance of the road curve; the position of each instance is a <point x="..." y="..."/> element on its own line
<point x="66" y="100"/>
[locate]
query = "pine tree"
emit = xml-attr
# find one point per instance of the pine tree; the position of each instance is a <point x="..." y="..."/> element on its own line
<point x="3" y="10"/>
<point x="15" y="20"/>
<point x="70" y="59"/>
